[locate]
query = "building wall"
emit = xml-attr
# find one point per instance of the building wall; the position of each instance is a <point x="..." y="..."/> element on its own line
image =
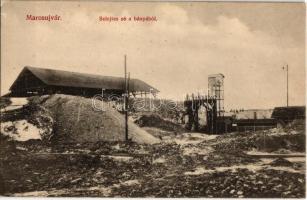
<point x="27" y="84"/>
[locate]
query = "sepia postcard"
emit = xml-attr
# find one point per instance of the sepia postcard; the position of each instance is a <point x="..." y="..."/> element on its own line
<point x="153" y="99"/>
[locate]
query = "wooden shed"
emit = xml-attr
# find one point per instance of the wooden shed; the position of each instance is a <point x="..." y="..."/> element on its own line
<point x="38" y="81"/>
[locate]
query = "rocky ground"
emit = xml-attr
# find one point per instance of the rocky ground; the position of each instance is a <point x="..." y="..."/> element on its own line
<point x="268" y="163"/>
<point x="186" y="165"/>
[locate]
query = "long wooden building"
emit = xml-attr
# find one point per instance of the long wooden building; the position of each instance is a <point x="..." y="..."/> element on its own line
<point x="38" y="81"/>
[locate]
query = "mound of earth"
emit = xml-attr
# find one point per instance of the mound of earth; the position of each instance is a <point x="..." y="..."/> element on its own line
<point x="154" y="120"/>
<point x="76" y="120"/>
<point x="281" y="162"/>
<point x="66" y="119"/>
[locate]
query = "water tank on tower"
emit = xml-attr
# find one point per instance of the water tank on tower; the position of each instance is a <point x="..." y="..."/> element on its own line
<point x="216" y="89"/>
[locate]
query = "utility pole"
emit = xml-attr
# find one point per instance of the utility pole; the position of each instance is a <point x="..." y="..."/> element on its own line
<point x="287" y="85"/>
<point x="287" y="73"/>
<point x="126" y="101"/>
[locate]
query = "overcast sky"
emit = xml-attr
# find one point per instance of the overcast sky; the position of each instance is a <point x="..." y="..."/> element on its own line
<point x="248" y="42"/>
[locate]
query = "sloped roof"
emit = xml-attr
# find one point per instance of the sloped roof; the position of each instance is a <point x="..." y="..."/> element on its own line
<point x="289" y="113"/>
<point x="75" y="79"/>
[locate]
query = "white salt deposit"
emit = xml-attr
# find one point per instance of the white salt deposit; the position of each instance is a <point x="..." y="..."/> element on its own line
<point x="159" y="160"/>
<point x="21" y="130"/>
<point x="130" y="182"/>
<point x="279" y="132"/>
<point x="202" y="170"/>
<point x="104" y="191"/>
<point x="198" y="171"/>
<point x="264" y="164"/>
<point x="256" y="152"/>
<point x="32" y="194"/>
<point x="121" y="158"/>
<point x="126" y="183"/>
<point x="201" y="136"/>
<point x="17" y="103"/>
<point x="297" y="159"/>
<point x="259" y="153"/>
<point x="193" y="138"/>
